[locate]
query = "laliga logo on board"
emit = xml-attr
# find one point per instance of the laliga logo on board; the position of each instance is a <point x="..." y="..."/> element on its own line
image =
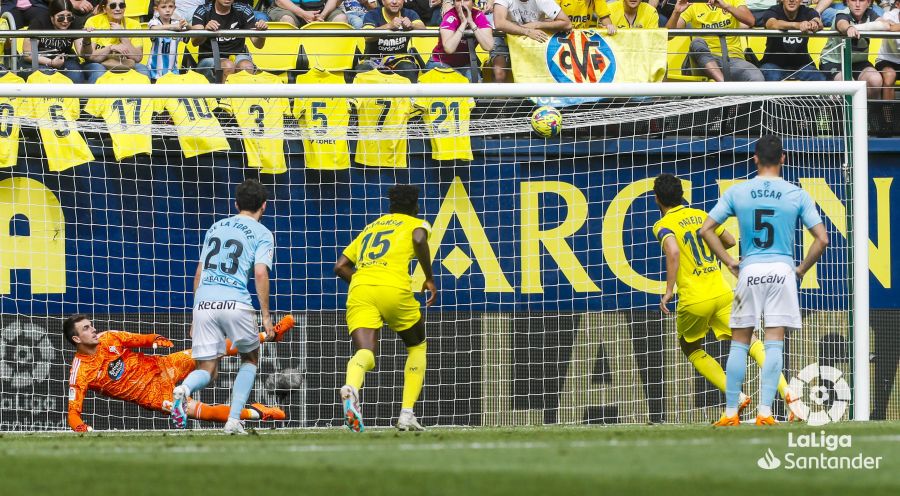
<point x="817" y="379"/>
<point x="580" y="57"/>
<point x="25" y="354"/>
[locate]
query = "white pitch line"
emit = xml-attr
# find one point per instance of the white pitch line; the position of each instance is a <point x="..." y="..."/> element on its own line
<point x="431" y="446"/>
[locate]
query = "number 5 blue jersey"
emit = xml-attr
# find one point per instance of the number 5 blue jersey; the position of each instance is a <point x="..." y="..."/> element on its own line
<point x="231" y="249"/>
<point x="767" y="209"/>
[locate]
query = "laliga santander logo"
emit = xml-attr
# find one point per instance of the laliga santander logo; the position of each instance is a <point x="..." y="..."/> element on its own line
<point x="25" y="354"/>
<point x="580" y="57"/>
<point x="818" y="378"/>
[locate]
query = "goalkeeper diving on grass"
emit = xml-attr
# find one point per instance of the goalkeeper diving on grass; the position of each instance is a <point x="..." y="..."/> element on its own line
<point x="106" y="363"/>
<point x="376" y="264"/>
<point x="704" y="298"/>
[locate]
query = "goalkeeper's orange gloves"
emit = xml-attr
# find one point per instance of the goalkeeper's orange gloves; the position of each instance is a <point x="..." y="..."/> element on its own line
<point x="82" y="428"/>
<point x="162" y="342"/>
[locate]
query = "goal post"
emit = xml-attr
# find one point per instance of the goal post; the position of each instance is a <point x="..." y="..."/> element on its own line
<point x="548" y="270"/>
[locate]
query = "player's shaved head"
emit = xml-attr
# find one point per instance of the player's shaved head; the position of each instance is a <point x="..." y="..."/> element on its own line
<point x="769" y="151"/>
<point x="251" y="195"/>
<point x="668" y="190"/>
<point x="404" y="199"/>
<point x="69" y="330"/>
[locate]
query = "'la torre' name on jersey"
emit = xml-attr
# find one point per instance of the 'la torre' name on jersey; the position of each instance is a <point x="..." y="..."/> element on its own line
<point x="237" y="225"/>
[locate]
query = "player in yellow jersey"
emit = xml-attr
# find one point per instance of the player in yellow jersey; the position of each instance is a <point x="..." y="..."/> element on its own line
<point x="376" y="264"/>
<point x="704" y="298"/>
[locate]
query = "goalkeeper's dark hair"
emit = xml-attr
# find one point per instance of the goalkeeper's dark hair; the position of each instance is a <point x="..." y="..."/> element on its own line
<point x="668" y="190"/>
<point x="404" y="199"/>
<point x="251" y="195"/>
<point x="769" y="150"/>
<point x="69" y="326"/>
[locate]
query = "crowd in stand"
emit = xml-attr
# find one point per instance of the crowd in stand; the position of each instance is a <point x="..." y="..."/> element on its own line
<point x="784" y="57"/>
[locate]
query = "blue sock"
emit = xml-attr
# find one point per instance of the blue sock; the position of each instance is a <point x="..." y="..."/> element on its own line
<point x="240" y="391"/>
<point x="196" y="380"/>
<point x="735" y="370"/>
<point x="770" y="374"/>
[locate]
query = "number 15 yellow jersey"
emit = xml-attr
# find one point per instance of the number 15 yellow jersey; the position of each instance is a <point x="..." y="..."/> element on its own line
<point x="699" y="277"/>
<point x="383" y="250"/>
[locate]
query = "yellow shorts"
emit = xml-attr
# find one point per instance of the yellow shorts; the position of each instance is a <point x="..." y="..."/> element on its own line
<point x="371" y="307"/>
<point x="695" y="320"/>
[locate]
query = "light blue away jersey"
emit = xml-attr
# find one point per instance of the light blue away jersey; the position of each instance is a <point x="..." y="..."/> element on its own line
<point x="231" y="249"/>
<point x="767" y="209"/>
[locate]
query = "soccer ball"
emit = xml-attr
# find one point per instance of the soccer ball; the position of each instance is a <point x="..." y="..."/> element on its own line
<point x="546" y="122"/>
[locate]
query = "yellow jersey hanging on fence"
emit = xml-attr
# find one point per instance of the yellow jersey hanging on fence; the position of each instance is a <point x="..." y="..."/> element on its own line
<point x="11" y="109"/>
<point x="382" y="251"/>
<point x="63" y="144"/>
<point x="447" y="118"/>
<point x="262" y="123"/>
<point x="324" y="121"/>
<point x="128" y="119"/>
<point x="198" y="129"/>
<point x="382" y="124"/>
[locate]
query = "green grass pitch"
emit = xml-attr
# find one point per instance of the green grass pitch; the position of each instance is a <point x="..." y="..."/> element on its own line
<point x="652" y="459"/>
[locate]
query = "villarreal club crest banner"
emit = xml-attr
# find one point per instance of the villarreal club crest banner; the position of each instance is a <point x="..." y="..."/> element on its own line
<point x="586" y="56"/>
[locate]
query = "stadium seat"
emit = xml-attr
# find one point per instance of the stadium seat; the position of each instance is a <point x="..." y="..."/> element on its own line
<point x="815" y="49"/>
<point x="136" y="9"/>
<point x="757" y="44"/>
<point x="6" y="24"/>
<point x="20" y="42"/>
<point x="678" y="50"/>
<point x="331" y="54"/>
<point x="424" y="46"/>
<point x="874" y="48"/>
<point x="278" y="55"/>
<point x="146" y="43"/>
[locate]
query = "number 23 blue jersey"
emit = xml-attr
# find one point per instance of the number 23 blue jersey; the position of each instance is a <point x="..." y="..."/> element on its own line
<point x="767" y="209"/>
<point x="231" y="249"/>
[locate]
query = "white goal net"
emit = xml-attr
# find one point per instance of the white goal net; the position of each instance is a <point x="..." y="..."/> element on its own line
<point x="549" y="274"/>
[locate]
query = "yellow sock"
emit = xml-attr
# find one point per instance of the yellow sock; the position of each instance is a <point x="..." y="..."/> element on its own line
<point x="709" y="368"/>
<point x="413" y="375"/>
<point x="362" y="362"/>
<point x="758" y="352"/>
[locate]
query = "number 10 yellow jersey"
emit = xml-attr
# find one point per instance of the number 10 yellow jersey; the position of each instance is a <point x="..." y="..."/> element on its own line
<point x="699" y="277"/>
<point x="383" y="250"/>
